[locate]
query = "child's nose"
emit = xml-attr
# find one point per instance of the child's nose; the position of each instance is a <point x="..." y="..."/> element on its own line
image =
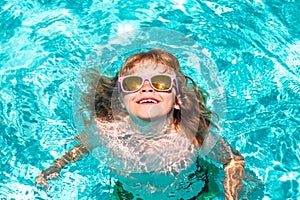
<point x="146" y="87"/>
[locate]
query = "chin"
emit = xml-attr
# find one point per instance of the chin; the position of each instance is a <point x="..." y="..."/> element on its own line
<point x="151" y="117"/>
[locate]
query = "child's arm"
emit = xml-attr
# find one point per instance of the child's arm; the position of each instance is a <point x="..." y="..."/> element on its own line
<point x="233" y="163"/>
<point x="53" y="172"/>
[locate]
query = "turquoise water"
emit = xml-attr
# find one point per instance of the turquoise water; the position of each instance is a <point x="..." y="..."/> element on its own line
<point x="44" y="44"/>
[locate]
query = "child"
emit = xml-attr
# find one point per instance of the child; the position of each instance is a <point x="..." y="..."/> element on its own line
<point x="152" y="127"/>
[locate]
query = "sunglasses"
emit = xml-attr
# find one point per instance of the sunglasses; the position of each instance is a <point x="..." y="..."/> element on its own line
<point x="133" y="83"/>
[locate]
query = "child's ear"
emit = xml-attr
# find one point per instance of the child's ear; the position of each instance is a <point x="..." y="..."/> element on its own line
<point x="178" y="102"/>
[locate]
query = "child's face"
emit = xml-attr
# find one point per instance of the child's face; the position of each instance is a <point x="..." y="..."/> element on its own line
<point x="147" y="103"/>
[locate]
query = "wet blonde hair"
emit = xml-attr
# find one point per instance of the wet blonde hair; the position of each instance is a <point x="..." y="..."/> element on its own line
<point x="191" y="98"/>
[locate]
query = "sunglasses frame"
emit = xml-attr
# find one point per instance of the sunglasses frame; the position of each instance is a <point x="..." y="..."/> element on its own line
<point x="148" y="78"/>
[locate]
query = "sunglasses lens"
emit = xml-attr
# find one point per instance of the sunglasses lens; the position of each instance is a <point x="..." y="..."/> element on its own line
<point x="132" y="83"/>
<point x="161" y="82"/>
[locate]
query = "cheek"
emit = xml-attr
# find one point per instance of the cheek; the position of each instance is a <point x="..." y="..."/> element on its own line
<point x="126" y="100"/>
<point x="170" y="101"/>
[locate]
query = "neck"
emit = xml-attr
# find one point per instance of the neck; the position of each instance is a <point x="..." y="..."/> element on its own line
<point x="153" y="128"/>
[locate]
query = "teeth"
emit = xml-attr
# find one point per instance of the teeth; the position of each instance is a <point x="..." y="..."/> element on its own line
<point x="148" y="101"/>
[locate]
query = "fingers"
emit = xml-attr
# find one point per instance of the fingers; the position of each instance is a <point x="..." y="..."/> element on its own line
<point x="45" y="175"/>
<point x="40" y="180"/>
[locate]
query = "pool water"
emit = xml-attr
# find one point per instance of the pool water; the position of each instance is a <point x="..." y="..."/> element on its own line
<point x="44" y="45"/>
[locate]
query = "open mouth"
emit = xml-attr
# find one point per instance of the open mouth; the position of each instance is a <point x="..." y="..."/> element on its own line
<point x="148" y="101"/>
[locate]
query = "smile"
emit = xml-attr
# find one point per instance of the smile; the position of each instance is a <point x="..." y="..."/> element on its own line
<point x="148" y="101"/>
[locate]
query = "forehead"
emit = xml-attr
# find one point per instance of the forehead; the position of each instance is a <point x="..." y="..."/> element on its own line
<point x="148" y="68"/>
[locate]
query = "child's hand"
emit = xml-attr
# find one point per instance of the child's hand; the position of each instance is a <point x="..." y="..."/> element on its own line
<point x="234" y="174"/>
<point x="45" y="175"/>
<point x="53" y="172"/>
